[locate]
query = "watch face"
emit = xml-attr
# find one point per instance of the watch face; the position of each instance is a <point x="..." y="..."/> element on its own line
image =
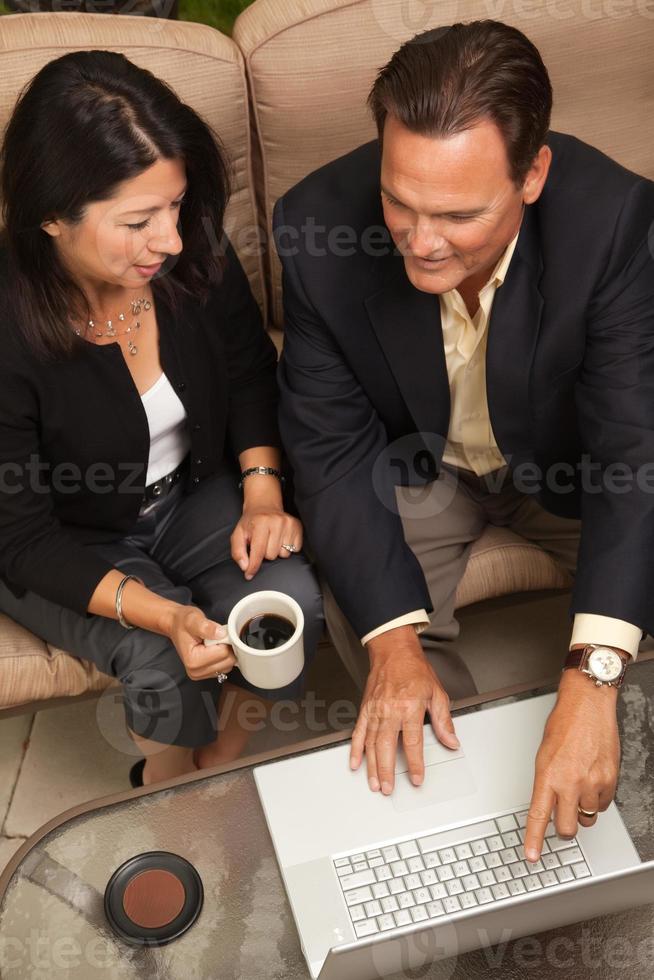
<point x="605" y="664"/>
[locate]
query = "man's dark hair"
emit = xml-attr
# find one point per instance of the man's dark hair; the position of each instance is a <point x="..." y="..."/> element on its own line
<point x="84" y="124"/>
<point x="447" y="80"/>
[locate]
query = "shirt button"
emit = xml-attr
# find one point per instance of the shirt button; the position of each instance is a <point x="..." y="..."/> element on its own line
<point x="197" y="427"/>
<point x="181" y="386"/>
<point x="199" y="462"/>
<point x="196" y="479"/>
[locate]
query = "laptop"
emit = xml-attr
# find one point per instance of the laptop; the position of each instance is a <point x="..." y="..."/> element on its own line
<point x="379" y="885"/>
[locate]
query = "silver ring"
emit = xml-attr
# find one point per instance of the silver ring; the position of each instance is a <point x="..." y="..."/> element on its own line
<point x="587" y="813"/>
<point x="221" y="678"/>
<point x="290" y="547"/>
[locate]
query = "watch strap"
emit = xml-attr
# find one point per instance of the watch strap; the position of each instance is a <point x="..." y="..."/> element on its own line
<point x="574" y="658"/>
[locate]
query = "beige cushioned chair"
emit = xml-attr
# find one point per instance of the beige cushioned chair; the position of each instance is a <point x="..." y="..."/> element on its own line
<point x="309" y="65"/>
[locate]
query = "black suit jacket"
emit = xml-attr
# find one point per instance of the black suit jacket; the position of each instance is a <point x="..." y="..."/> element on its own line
<point x="570" y="376"/>
<point x="82" y="420"/>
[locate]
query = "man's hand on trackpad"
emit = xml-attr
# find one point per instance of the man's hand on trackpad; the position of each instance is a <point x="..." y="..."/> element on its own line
<point x="401" y="687"/>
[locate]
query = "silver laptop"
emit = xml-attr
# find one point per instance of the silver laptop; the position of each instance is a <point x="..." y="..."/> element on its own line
<point x="379" y="884"/>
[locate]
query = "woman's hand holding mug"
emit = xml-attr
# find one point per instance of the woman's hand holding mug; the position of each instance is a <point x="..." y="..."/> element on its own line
<point x="189" y="629"/>
<point x="270" y="665"/>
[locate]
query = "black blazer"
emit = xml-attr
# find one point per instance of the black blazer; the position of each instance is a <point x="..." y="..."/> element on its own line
<point x="570" y="371"/>
<point x="82" y="422"/>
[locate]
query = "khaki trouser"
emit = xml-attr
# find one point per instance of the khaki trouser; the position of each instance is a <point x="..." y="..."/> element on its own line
<point x="441" y="522"/>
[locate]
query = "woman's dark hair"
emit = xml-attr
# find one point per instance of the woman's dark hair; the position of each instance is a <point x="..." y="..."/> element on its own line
<point x="447" y="80"/>
<point x="84" y="124"/>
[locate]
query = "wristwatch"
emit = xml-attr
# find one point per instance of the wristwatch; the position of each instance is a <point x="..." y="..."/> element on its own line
<point x="603" y="665"/>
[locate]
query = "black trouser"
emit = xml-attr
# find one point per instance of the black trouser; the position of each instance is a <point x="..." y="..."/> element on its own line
<point x="180" y="548"/>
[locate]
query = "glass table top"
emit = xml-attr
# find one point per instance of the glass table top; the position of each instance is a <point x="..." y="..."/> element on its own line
<point x="52" y="921"/>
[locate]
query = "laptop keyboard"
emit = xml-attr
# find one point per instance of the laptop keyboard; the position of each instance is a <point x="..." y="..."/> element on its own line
<point x="438" y="874"/>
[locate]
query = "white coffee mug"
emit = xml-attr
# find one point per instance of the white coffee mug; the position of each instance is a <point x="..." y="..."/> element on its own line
<point x="268" y="669"/>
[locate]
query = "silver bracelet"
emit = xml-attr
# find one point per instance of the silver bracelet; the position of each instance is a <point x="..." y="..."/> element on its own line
<point x="119" y="600"/>
<point x="263" y="471"/>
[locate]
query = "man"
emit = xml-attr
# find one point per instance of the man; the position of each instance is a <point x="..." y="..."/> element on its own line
<point x="501" y="358"/>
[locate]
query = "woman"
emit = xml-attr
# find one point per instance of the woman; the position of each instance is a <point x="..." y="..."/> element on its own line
<point x="137" y="396"/>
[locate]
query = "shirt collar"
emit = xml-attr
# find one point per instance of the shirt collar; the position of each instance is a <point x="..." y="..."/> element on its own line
<point x="452" y="298"/>
<point x="499" y="272"/>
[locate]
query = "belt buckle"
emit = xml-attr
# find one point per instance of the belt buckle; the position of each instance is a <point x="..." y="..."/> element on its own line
<point x="162" y="487"/>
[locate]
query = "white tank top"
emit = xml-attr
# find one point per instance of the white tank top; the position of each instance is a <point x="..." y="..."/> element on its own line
<point x="169" y="437"/>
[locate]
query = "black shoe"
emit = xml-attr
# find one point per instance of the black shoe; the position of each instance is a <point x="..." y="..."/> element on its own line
<point x="136" y="774"/>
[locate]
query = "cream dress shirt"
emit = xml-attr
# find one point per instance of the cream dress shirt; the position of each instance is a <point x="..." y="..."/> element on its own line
<point x="471" y="444"/>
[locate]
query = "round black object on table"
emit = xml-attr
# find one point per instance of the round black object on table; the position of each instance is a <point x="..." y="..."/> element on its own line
<point x="153" y="898"/>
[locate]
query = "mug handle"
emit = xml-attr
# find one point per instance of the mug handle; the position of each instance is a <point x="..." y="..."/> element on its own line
<point x="226" y="642"/>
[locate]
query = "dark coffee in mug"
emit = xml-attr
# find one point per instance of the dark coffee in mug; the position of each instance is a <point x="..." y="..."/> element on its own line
<point x="266" y="632"/>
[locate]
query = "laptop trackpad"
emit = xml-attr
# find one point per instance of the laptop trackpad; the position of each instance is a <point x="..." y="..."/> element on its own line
<point x="445" y="779"/>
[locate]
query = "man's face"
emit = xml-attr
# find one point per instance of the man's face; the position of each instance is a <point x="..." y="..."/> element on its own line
<point x="450" y="204"/>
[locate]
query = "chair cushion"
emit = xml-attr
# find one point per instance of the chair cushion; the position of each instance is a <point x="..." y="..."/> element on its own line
<point x="204" y="67"/>
<point x="311" y="64"/>
<point x="502" y="563"/>
<point x="30" y="670"/>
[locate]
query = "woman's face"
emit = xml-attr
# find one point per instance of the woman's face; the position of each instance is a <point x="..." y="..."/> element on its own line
<point x="123" y="241"/>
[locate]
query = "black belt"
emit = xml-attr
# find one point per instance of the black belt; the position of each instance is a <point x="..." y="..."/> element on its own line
<point x="163" y="486"/>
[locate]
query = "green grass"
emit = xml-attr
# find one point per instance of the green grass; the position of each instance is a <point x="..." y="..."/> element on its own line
<point x="220" y="14"/>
